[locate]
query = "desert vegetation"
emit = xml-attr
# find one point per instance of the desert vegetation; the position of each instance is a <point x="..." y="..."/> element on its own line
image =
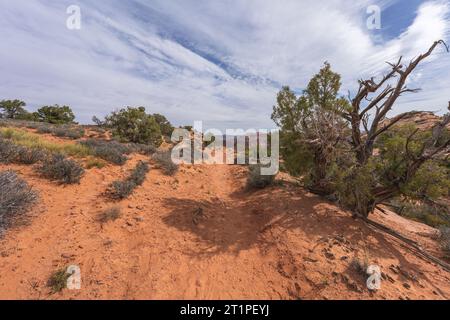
<point x="16" y="196"/>
<point x="134" y="125"/>
<point x="109" y="214"/>
<point x="59" y="168"/>
<point x="122" y="189"/>
<point x="331" y="140"/>
<point x="344" y="149"/>
<point x="164" y="161"/>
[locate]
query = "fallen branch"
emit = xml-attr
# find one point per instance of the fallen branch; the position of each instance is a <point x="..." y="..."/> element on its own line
<point x="412" y="244"/>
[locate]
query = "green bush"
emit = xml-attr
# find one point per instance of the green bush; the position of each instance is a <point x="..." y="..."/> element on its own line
<point x="134" y="125"/>
<point x="15" y="197"/>
<point x="164" y="124"/>
<point x="58" y="280"/>
<point x="12" y="109"/>
<point x="57" y="167"/>
<point x="56" y="114"/>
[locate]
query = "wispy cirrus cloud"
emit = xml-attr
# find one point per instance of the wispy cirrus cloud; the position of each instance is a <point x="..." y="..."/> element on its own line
<point x="217" y="61"/>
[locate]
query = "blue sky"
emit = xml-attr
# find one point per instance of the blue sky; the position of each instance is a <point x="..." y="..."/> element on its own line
<point x="218" y="61"/>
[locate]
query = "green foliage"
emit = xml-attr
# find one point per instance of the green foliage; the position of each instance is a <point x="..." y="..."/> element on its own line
<point x="58" y="280"/>
<point x="13" y="109"/>
<point x="397" y="148"/>
<point x="311" y="126"/>
<point x="56" y="114"/>
<point x="95" y="163"/>
<point x="319" y="143"/>
<point x="134" y="125"/>
<point x="164" y="124"/>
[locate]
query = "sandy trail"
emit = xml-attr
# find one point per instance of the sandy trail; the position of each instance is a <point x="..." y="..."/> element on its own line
<point x="201" y="235"/>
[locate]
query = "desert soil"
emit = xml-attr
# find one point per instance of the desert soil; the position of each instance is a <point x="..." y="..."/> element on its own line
<point x="201" y="235"/>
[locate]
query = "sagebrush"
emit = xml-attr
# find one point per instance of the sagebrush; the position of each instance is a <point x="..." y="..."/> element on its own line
<point x="16" y="196"/>
<point x="57" y="167"/>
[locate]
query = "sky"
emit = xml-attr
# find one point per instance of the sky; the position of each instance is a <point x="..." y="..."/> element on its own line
<point x="217" y="61"/>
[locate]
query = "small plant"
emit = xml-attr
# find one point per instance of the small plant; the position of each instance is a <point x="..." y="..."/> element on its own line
<point x="8" y="151"/>
<point x="257" y="180"/>
<point x="110" y="214"/>
<point x="44" y="129"/>
<point x="360" y="265"/>
<point x="164" y="161"/>
<point x="122" y="189"/>
<point x="58" y="280"/>
<point x="29" y="155"/>
<point x="57" y="167"/>
<point x="110" y="151"/>
<point x="145" y="149"/>
<point x="15" y="197"/>
<point x="66" y="131"/>
<point x="95" y="163"/>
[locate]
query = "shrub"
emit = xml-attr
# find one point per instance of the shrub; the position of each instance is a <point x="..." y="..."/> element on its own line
<point x="68" y="132"/>
<point x="95" y="163"/>
<point x="257" y="180"/>
<point x="13" y="108"/>
<point x="110" y="214"/>
<point x="164" y="161"/>
<point x="110" y="151"/>
<point x="57" y="167"/>
<point x="56" y="114"/>
<point x="29" y="155"/>
<point x="8" y="151"/>
<point x="44" y="129"/>
<point x="134" y="125"/>
<point x="31" y="140"/>
<point x="144" y="149"/>
<point x="164" y="124"/>
<point x="58" y="280"/>
<point x="11" y="153"/>
<point x="15" y="197"/>
<point x="122" y="189"/>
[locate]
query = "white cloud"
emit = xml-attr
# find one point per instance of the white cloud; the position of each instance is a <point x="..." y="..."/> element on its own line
<point x="218" y="61"/>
